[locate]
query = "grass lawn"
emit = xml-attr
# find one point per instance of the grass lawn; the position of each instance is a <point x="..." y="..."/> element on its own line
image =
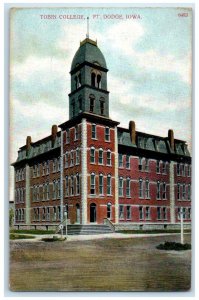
<point x="132" y="264"/>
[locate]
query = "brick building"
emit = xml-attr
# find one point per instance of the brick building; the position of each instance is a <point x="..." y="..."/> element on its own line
<point x="96" y="170"/>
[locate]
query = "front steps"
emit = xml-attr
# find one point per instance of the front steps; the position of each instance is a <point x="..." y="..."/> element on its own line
<point x="78" y="229"/>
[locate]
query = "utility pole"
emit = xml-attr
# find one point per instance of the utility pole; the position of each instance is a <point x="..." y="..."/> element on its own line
<point x="87" y="35"/>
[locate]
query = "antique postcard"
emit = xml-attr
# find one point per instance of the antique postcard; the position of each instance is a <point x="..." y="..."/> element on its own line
<point x="100" y="149"/>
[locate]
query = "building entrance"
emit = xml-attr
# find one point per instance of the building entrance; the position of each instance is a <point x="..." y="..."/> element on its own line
<point x="93" y="213"/>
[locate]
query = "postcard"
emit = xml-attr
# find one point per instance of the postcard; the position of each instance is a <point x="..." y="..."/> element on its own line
<point x="100" y="149"/>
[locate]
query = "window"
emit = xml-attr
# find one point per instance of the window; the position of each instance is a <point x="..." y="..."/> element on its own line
<point x="101" y="184"/>
<point x="164" y="213"/>
<point x="77" y="156"/>
<point x="120" y="160"/>
<point x="100" y="157"/>
<point x="128" y="183"/>
<point x="158" y="166"/>
<point x="59" y="213"/>
<point x="38" y="170"/>
<point x="109" y="185"/>
<point x="128" y="161"/>
<point x="92" y="103"/>
<point x="76" y="132"/>
<point x="189" y="213"/>
<point x="92" y="155"/>
<point x="120" y="187"/>
<point x="164" y="195"/>
<point x="146" y="164"/>
<point x="73" y="108"/>
<point x="54" y="165"/>
<point x="77" y="185"/>
<point x="159" y="213"/>
<point x="43" y="192"/>
<point x="72" y="158"/>
<point x="189" y="192"/>
<point x="48" y="214"/>
<point x="164" y="167"/>
<point x="48" y="167"/>
<point x="71" y="185"/>
<point x="58" y="164"/>
<point x="38" y="194"/>
<point x="107" y="134"/>
<point x="141" y="188"/>
<point x="34" y="191"/>
<point x="128" y="212"/>
<point x="66" y="160"/>
<point x="58" y="188"/>
<point x="67" y="136"/>
<point x="92" y="190"/>
<point x="121" y="212"/>
<point x="178" y="169"/>
<point x="178" y="191"/>
<point x="93" y="131"/>
<point x="140" y="164"/>
<point x="34" y="171"/>
<point x="184" y="192"/>
<point x="108" y="158"/>
<point x="183" y="170"/>
<point x="99" y="81"/>
<point x="102" y="107"/>
<point x="67" y="186"/>
<point x="148" y="214"/>
<point x="147" y="191"/>
<point x="188" y="170"/>
<point x="184" y="212"/>
<point x="93" y="76"/>
<point x="19" y="215"/>
<point x="43" y="168"/>
<point x="109" y="210"/>
<point x="54" y="213"/>
<point x="80" y="104"/>
<point x="141" y="213"/>
<point x="158" y="190"/>
<point x="43" y="214"/>
<point x="47" y="190"/>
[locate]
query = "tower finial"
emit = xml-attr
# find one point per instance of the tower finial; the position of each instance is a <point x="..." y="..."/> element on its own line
<point x="87" y="35"/>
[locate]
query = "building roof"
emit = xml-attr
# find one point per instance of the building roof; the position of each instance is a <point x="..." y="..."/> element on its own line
<point x="88" y="52"/>
<point x="152" y="143"/>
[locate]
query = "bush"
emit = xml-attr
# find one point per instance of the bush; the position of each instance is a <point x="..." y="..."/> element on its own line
<point x="14" y="236"/>
<point x="174" y="246"/>
<point x="53" y="239"/>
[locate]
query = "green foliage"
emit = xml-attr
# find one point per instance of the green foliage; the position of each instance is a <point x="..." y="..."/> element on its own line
<point x="14" y="236"/>
<point x="174" y="246"/>
<point x="54" y="239"/>
<point x="11" y="217"/>
<point x="32" y="231"/>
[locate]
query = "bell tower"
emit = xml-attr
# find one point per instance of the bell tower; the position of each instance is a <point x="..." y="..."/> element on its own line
<point x="89" y="81"/>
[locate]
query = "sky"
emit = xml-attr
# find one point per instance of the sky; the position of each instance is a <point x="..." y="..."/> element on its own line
<point x="149" y="62"/>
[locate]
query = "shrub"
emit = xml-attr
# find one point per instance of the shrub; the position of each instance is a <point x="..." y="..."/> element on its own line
<point x="173" y="246"/>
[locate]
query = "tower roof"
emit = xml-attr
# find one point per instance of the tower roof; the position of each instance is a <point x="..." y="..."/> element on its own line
<point x="88" y="51"/>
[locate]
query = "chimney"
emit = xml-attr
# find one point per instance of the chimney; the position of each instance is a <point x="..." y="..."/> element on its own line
<point x="28" y="143"/>
<point x="54" y="132"/>
<point x="171" y="138"/>
<point x="132" y="132"/>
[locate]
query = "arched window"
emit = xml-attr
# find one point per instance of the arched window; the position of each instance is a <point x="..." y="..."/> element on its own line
<point x="92" y="155"/>
<point x="92" y="187"/>
<point x="99" y="81"/>
<point x="109" y="184"/>
<point x="101" y="184"/>
<point x="93" y="77"/>
<point x="100" y="159"/>
<point x="108" y="162"/>
<point x="92" y="103"/>
<point x="140" y="188"/>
